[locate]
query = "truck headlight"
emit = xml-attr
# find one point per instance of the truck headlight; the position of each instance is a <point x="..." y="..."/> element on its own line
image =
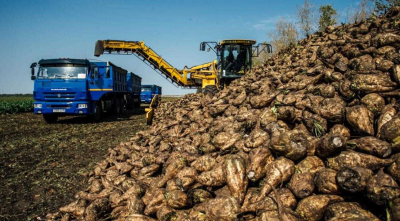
<point x="37" y="105"/>
<point x="82" y="105"/>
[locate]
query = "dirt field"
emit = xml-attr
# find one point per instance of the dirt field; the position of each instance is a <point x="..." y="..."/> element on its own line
<point x="42" y="165"/>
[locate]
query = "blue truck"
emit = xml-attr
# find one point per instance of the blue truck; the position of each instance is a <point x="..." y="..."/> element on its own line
<point x="80" y="87"/>
<point x="148" y="92"/>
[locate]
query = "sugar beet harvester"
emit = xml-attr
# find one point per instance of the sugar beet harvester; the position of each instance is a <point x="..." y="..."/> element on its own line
<point x="234" y="59"/>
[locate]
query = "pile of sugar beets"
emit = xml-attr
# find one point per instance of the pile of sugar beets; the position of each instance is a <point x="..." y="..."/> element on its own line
<point x="313" y="134"/>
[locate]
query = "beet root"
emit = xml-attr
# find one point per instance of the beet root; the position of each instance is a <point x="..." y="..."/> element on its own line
<point x="394" y="168"/>
<point x="311" y="164"/>
<point x="286" y="196"/>
<point x="214" y="177"/>
<point x="395" y="210"/>
<point x="382" y="188"/>
<point x="313" y="207"/>
<point x="172" y="169"/>
<point x="277" y="172"/>
<point x="361" y="119"/>
<point x="302" y="184"/>
<point x="223" y="208"/>
<point x="325" y="181"/>
<point x="235" y="170"/>
<point x="352" y="158"/>
<point x="347" y="211"/>
<point x="330" y="144"/>
<point x="259" y="158"/>
<point x="177" y="199"/>
<point x="353" y="179"/>
<point x="291" y="144"/>
<point x="374" y="146"/>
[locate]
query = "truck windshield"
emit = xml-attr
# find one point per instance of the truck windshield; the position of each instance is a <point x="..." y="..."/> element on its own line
<point x="236" y="59"/>
<point x="62" y="72"/>
<point x="146" y="89"/>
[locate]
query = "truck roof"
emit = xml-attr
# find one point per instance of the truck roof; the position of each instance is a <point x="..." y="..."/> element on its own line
<point x="64" y="61"/>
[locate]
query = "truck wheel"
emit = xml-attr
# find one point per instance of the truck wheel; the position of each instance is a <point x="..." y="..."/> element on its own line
<point x="117" y="107"/>
<point x="122" y="106"/>
<point x="136" y="104"/>
<point x="50" y="118"/>
<point x="210" y="90"/>
<point x="97" y="112"/>
<point x="130" y="105"/>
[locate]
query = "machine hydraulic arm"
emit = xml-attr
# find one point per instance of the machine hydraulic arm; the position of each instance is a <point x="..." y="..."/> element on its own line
<point x="149" y="56"/>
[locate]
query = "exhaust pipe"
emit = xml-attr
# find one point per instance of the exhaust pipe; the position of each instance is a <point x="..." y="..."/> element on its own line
<point x="98" y="49"/>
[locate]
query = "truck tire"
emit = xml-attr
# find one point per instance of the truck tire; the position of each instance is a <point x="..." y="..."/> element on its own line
<point x="131" y="104"/>
<point x="210" y="90"/>
<point x="97" y="112"/>
<point x="117" y="107"/>
<point x="122" y="105"/>
<point x="136" y="104"/>
<point x="50" y="118"/>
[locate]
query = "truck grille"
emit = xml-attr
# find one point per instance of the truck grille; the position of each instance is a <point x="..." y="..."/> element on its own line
<point x="59" y="96"/>
<point x="58" y="106"/>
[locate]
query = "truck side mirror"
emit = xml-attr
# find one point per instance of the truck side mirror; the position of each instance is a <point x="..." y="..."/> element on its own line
<point x="33" y="65"/>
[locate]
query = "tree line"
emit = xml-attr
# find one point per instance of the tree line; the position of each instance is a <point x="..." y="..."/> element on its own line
<point x="310" y="18"/>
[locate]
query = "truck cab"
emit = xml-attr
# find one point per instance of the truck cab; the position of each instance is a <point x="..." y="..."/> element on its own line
<point x="148" y="92"/>
<point x="60" y="87"/>
<point x="79" y="87"/>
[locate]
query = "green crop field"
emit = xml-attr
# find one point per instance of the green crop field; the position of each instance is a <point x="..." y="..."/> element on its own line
<point x="11" y="104"/>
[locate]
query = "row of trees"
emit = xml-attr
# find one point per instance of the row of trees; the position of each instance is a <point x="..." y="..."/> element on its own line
<point x="311" y="18"/>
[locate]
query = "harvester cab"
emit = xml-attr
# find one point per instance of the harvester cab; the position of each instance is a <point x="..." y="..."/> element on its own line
<point x="234" y="57"/>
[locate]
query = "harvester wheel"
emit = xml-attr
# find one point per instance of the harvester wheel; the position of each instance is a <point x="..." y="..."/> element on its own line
<point x="50" y="118"/>
<point x="210" y="90"/>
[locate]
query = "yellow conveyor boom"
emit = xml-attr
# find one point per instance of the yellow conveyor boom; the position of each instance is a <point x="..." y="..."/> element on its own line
<point x="138" y="48"/>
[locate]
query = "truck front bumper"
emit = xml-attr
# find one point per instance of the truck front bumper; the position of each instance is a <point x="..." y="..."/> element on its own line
<point x="146" y="101"/>
<point x="62" y="108"/>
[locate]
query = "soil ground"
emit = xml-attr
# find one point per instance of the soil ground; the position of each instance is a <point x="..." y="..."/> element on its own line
<point x="42" y="165"/>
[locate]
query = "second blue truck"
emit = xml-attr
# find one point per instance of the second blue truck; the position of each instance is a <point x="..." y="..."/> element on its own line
<point x="81" y="87"/>
<point x="148" y="92"/>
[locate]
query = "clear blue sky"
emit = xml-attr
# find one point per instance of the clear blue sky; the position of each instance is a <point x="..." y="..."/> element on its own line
<point x="32" y="30"/>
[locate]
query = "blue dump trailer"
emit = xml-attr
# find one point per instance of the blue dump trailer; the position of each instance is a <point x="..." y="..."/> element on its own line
<point x="80" y="87"/>
<point x="149" y="91"/>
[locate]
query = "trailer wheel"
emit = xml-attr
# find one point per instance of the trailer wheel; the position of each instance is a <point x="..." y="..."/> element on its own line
<point x="97" y="112"/>
<point x="210" y="90"/>
<point x="50" y="118"/>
